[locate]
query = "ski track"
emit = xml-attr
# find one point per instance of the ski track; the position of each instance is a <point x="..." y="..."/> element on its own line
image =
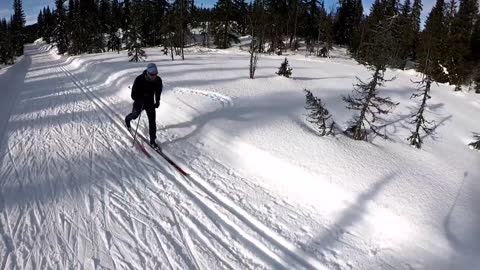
<point x="75" y="195"/>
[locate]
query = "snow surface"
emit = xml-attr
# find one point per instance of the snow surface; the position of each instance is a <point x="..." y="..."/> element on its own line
<point x="263" y="191"/>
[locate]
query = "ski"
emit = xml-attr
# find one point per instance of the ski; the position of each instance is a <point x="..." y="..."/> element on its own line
<point x="161" y="153"/>
<point x="138" y="144"/>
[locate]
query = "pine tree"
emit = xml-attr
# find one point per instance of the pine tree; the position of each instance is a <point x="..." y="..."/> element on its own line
<point x="182" y="10"/>
<point x="133" y="35"/>
<point x="134" y="45"/>
<point x="40" y="23"/>
<point x="76" y="33"/>
<point x="415" y="21"/>
<point x="284" y="70"/>
<point x="459" y="49"/>
<point x="421" y="124"/>
<point x="6" y="47"/>
<point x="476" y="143"/>
<point x="225" y="12"/>
<point x="432" y="44"/>
<point x="49" y="25"/>
<point x="18" y="27"/>
<point x="377" y="52"/>
<point x="104" y="11"/>
<point x="348" y="19"/>
<point x="114" y="42"/>
<point x="60" y="32"/>
<point x="90" y="36"/>
<point x="318" y="114"/>
<point x="475" y="57"/>
<point x="406" y="33"/>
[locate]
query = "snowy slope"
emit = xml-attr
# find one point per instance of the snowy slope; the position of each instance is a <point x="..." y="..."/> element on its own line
<point x="263" y="191"/>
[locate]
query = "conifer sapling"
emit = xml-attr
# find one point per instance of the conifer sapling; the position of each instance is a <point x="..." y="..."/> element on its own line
<point x="318" y="114"/>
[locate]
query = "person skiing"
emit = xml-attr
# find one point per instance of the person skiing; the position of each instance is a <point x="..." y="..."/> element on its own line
<point x="146" y="91"/>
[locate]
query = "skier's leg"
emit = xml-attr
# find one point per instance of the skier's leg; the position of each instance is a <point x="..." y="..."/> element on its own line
<point x="152" y="126"/>
<point x="136" y="110"/>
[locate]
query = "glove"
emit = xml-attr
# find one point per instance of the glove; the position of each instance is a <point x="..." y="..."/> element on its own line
<point x="157" y="104"/>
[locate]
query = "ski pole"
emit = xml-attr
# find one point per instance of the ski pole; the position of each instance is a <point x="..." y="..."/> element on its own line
<point x="139" y="117"/>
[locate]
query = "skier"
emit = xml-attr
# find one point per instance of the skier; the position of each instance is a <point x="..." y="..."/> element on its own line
<point x="146" y="92"/>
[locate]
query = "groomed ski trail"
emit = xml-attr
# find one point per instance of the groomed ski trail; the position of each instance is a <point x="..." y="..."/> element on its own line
<point x="74" y="195"/>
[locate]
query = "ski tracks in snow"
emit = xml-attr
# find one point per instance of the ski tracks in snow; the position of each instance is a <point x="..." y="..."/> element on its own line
<point x="76" y="196"/>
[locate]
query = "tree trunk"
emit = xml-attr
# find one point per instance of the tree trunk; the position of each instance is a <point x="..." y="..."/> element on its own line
<point x="357" y="134"/>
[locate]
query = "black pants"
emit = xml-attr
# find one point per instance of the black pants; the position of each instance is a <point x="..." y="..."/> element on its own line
<point x="150" y="109"/>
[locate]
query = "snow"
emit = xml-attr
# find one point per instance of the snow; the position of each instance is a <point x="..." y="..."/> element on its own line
<point x="263" y="191"/>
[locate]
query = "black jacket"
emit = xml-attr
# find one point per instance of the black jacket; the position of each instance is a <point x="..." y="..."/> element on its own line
<point x="145" y="91"/>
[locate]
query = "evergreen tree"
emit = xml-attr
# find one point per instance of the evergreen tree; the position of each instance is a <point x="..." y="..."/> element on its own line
<point x="284" y="70"/>
<point x="76" y="33"/>
<point x="182" y="10"/>
<point x="475" y="57"/>
<point x="60" y="32"/>
<point x="459" y="51"/>
<point x="476" y="143"/>
<point x="133" y="35"/>
<point x="18" y="27"/>
<point x="104" y="15"/>
<point x="134" y="44"/>
<point x="40" y="23"/>
<point x="225" y="11"/>
<point x="415" y="21"/>
<point x="421" y="124"/>
<point x="432" y="44"/>
<point x="318" y="114"/>
<point x="114" y="42"/>
<point x="377" y="52"/>
<point x="407" y="40"/>
<point x="90" y="36"/>
<point x="6" y="46"/>
<point x="348" y="19"/>
<point x="49" y="25"/>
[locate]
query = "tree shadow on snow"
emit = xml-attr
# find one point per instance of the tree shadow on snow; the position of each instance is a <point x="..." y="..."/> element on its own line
<point x="324" y="244"/>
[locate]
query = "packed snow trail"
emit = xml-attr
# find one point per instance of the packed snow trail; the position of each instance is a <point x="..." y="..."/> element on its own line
<point x="75" y="195"/>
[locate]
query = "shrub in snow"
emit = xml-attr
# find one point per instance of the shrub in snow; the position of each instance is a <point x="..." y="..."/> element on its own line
<point x="476" y="144"/>
<point x="285" y="70"/>
<point x="318" y="114"/>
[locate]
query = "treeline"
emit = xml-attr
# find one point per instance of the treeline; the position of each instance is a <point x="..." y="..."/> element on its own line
<point x="13" y="35"/>
<point x="88" y="26"/>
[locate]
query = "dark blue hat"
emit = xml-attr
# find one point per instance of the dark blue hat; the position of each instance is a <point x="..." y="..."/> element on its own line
<point x="152" y="69"/>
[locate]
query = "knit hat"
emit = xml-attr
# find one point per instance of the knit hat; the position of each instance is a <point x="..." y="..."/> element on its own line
<point x="152" y="69"/>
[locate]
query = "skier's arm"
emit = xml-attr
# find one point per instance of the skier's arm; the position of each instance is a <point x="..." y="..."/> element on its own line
<point x="158" y="92"/>
<point x="135" y="90"/>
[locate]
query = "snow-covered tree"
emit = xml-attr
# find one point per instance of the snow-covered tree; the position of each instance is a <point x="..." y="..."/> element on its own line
<point x="318" y="114"/>
<point x="284" y="69"/>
